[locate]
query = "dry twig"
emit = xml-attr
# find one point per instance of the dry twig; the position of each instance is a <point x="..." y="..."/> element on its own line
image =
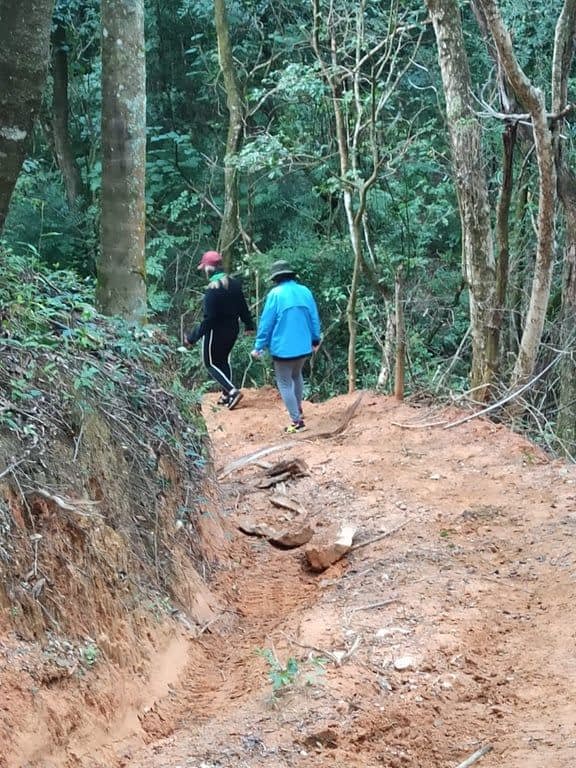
<point x="476" y="756"/>
<point x="379" y="604"/>
<point x="378" y="538"/>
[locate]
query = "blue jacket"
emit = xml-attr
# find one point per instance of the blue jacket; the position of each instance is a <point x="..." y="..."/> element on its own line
<point x="290" y="323"/>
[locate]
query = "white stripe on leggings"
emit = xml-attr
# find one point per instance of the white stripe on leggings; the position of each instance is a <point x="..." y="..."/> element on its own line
<point x="220" y="371"/>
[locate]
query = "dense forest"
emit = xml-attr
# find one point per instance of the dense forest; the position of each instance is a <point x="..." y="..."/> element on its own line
<point x="412" y="160"/>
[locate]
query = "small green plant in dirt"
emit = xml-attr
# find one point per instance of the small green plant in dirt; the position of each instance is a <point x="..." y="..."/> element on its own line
<point x="89" y="654"/>
<point x="282" y="677"/>
<point x="286" y="677"/>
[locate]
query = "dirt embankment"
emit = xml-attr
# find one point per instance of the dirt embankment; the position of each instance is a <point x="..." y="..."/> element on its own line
<point x="108" y="533"/>
<point x="454" y="633"/>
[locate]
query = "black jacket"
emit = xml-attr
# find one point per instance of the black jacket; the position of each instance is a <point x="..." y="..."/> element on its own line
<point x="224" y="303"/>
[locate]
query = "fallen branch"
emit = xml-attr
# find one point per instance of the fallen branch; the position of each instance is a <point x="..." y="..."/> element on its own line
<point x="379" y="604"/>
<point x="378" y="538"/>
<point x="252" y="458"/>
<point x="508" y="398"/>
<point x="476" y="756"/>
<point x="338" y="657"/>
<point x="347" y="418"/>
<point x="12" y="466"/>
<point x="67" y="504"/>
<point x="270" y="482"/>
<point x="419" y="426"/>
<point x="285" y="502"/>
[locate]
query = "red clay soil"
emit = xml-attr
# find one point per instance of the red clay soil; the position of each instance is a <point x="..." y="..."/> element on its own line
<point x="455" y="632"/>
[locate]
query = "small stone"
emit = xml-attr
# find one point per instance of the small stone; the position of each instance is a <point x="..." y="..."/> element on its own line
<point x="387" y="631"/>
<point x="404" y="662"/>
<point x="384" y="684"/>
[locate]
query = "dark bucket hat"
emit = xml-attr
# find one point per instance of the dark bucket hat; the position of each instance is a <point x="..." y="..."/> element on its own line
<point x="281" y="268"/>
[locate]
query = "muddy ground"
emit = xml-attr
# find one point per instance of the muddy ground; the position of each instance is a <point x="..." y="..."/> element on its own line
<point x="455" y="632"/>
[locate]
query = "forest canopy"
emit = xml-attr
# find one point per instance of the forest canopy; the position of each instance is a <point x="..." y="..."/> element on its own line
<point x="412" y="160"/>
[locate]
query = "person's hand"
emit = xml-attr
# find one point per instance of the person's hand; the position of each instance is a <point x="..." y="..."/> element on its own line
<point x="249" y="331"/>
<point x="316" y="347"/>
<point x="256" y="354"/>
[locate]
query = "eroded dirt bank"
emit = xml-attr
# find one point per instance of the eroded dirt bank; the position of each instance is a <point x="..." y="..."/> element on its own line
<point x="455" y="632"/>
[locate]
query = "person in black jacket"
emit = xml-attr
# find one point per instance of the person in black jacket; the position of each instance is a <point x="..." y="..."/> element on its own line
<point x="224" y="303"/>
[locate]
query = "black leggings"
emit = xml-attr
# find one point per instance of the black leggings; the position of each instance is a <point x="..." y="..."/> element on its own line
<point x="216" y="348"/>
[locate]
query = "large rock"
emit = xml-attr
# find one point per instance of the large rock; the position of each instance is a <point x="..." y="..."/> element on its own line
<point x="288" y="538"/>
<point x="329" y="545"/>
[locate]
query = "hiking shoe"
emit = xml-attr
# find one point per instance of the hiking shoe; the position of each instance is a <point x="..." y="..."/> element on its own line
<point x="234" y="398"/>
<point x="223" y="400"/>
<point x="296" y="426"/>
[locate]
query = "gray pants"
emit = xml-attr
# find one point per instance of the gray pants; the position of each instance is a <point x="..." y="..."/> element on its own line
<point x="291" y="384"/>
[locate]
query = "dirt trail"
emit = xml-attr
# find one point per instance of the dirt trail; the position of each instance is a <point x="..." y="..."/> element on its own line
<point x="477" y="646"/>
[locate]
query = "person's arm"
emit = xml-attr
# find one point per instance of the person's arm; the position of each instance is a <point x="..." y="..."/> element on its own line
<point x="210" y="311"/>
<point x="315" y="326"/>
<point x="266" y="324"/>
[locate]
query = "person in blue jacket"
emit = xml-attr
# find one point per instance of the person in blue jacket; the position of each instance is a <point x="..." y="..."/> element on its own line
<point x="289" y="329"/>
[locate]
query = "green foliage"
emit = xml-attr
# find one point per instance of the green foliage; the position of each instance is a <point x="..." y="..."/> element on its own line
<point x="290" y="183"/>
<point x="285" y="677"/>
<point x="281" y="676"/>
<point x="90" y="654"/>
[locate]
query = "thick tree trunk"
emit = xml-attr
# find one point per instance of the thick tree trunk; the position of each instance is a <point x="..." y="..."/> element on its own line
<point x="24" y="56"/>
<point x="121" y="267"/>
<point x="471" y="186"/>
<point x="230" y="225"/>
<point x="60" y="117"/>
<point x="561" y="66"/>
<point x="566" y="424"/>
<point x="533" y="99"/>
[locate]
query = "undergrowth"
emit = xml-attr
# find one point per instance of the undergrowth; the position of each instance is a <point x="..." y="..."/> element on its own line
<point x="73" y="383"/>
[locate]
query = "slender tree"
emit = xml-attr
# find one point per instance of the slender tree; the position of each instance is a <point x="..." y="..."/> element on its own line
<point x="121" y="268"/>
<point x="230" y="225"/>
<point x="24" y="57"/>
<point x="477" y="238"/>
<point x="362" y="75"/>
<point x="533" y="100"/>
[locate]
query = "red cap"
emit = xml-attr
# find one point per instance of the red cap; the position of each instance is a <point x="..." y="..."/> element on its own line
<point x="210" y="259"/>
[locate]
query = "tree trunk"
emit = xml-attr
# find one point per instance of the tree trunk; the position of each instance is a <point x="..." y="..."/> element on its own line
<point x="471" y="186"/>
<point x="503" y="227"/>
<point x="566" y="424"/>
<point x="24" y="56"/>
<point x="60" y="117"/>
<point x="400" y="336"/>
<point x="561" y="66"/>
<point x="121" y="267"/>
<point x="533" y="99"/>
<point x="230" y="225"/>
<point x="351" y="307"/>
